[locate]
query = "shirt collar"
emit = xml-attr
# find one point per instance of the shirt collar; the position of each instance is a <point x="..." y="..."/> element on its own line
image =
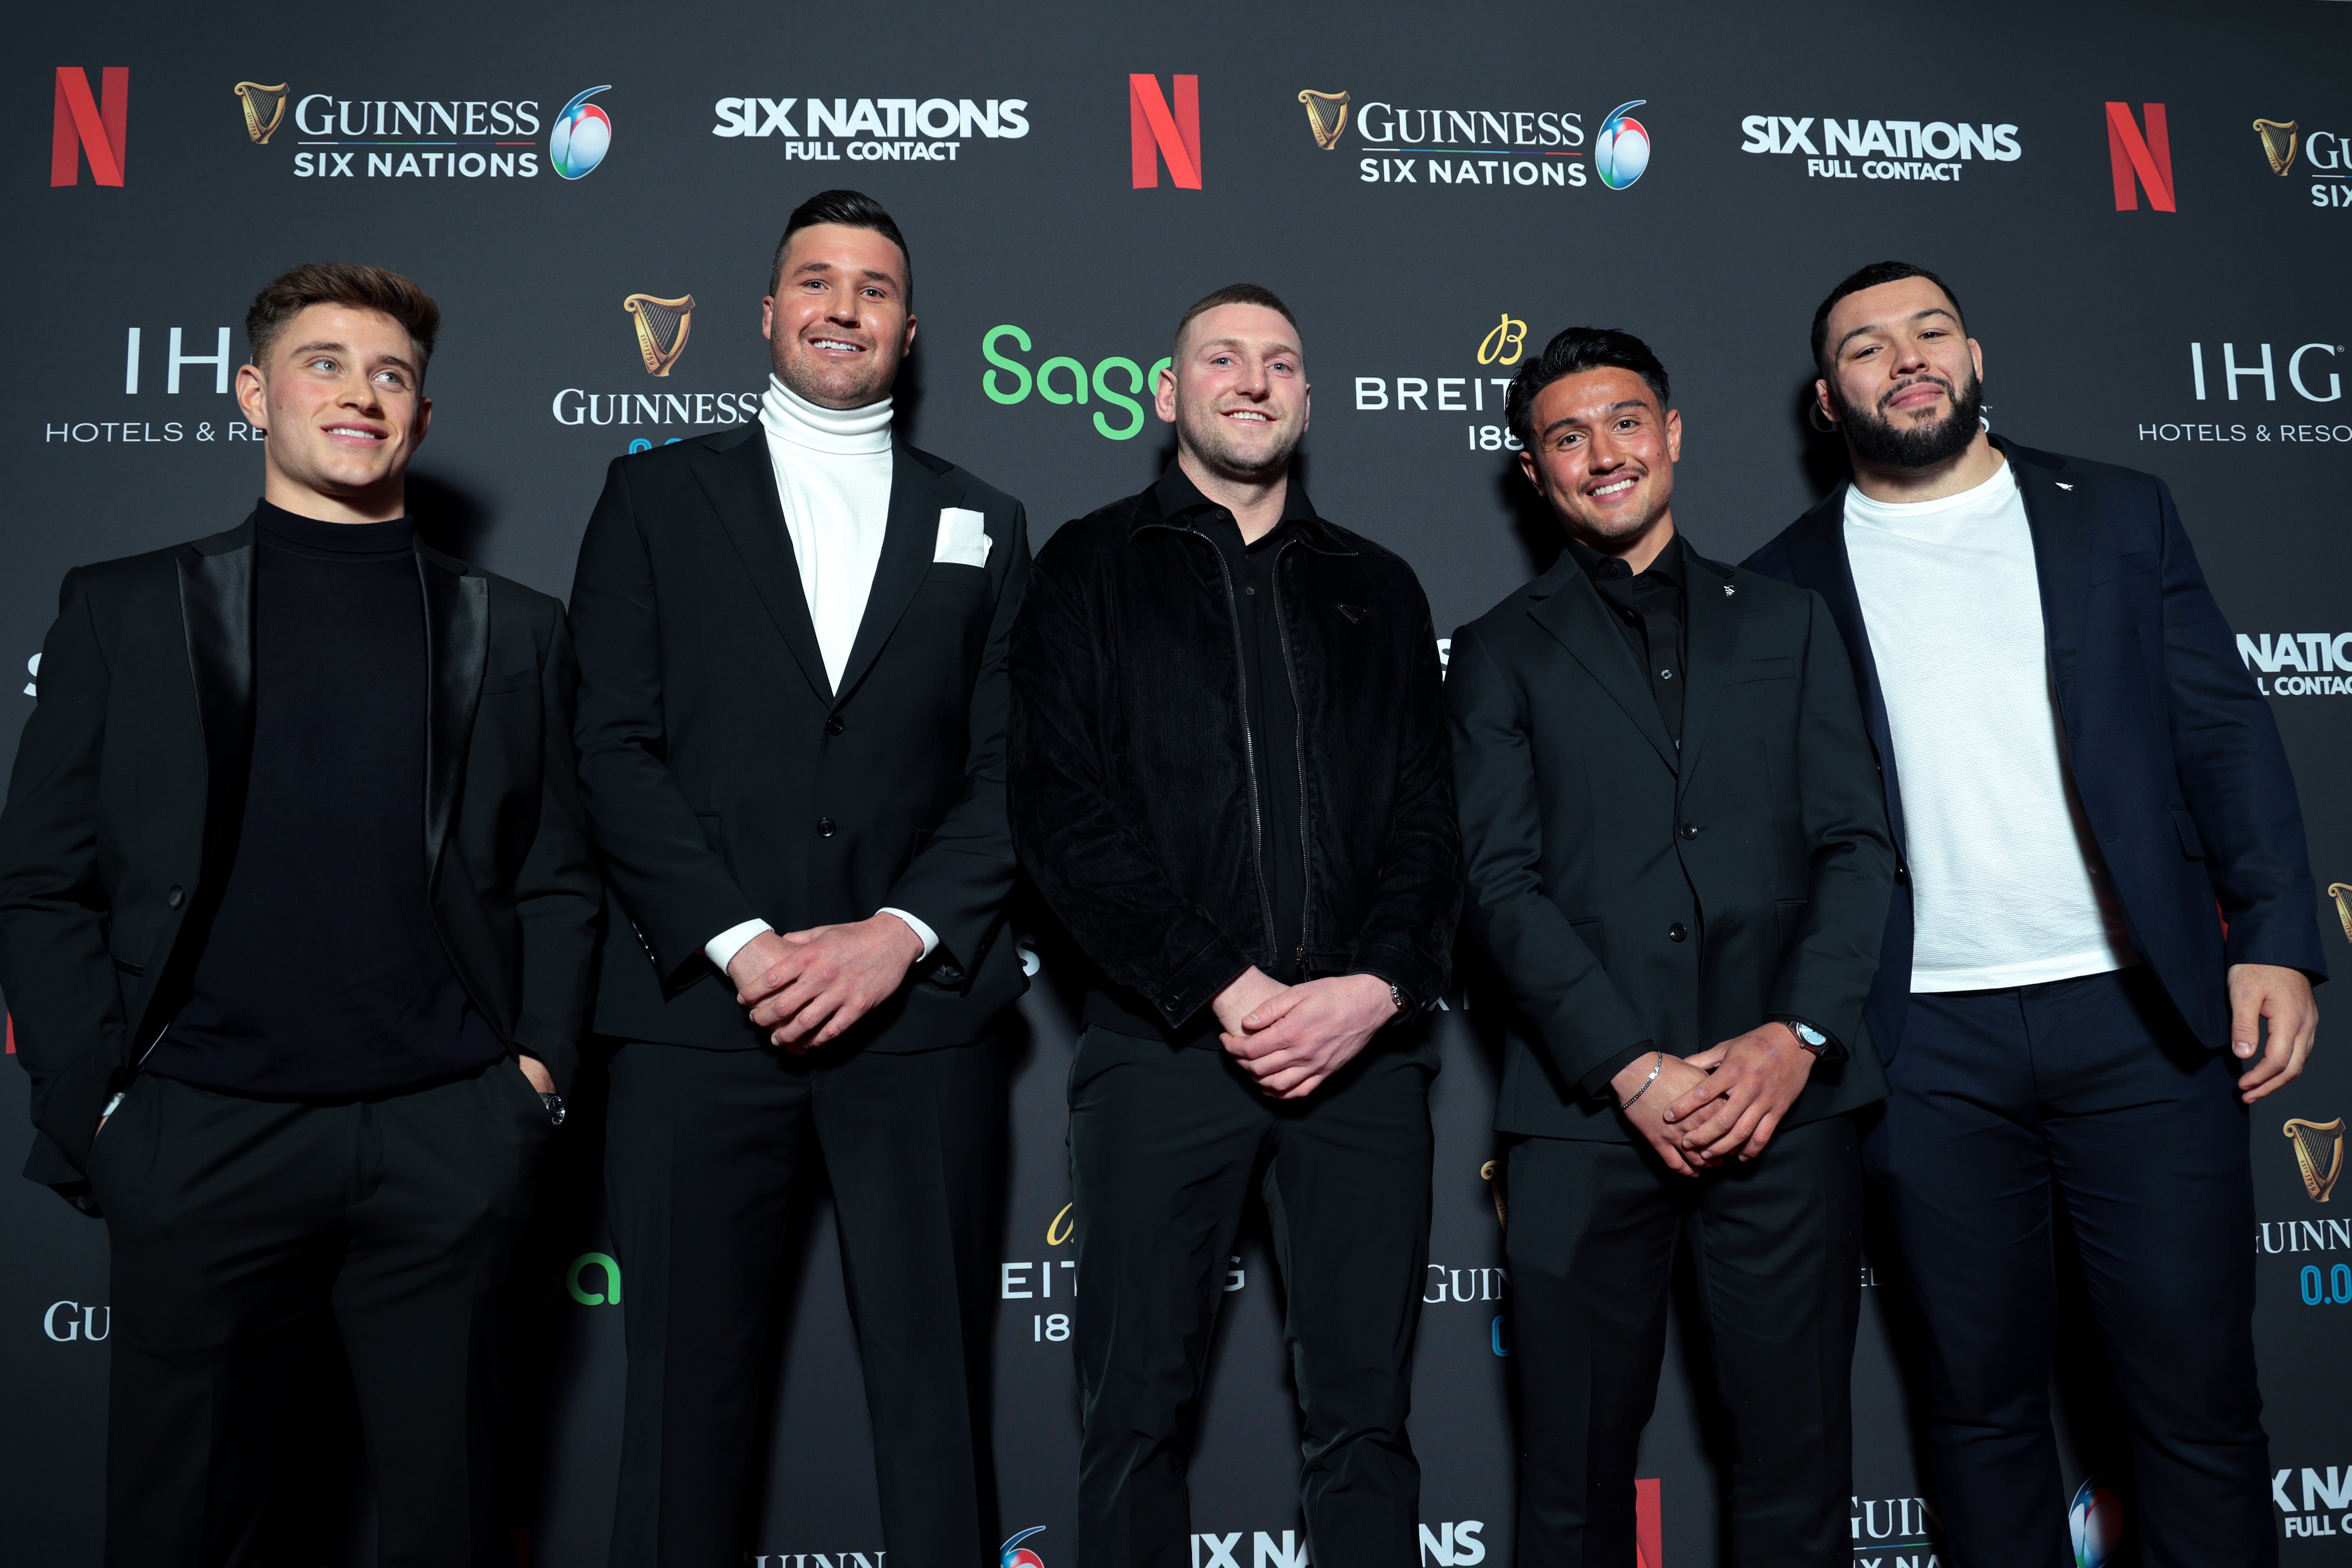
<point x="1180" y="498"/>
<point x="1668" y="567"/>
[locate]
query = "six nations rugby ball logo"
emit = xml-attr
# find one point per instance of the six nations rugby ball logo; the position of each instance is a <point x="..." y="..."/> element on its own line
<point x="1622" y="152"/>
<point x="583" y="134"/>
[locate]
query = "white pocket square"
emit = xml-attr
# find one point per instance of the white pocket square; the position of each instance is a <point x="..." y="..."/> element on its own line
<point x="963" y="537"/>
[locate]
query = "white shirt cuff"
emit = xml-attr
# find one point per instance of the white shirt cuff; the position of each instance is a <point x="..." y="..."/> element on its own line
<point x="721" y="949"/>
<point x="923" y="934"/>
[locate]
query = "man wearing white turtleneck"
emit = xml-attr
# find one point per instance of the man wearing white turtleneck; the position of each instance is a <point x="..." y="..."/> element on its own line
<point x="793" y="702"/>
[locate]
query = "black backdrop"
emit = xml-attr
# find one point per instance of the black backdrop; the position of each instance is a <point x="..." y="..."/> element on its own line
<point x="1783" y="147"/>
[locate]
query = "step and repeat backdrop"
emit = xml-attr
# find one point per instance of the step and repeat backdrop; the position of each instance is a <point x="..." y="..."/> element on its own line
<point x="2147" y="211"/>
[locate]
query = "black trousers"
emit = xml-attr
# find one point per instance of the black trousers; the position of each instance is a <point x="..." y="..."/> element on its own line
<point x="701" y="1151"/>
<point x="233" y="1223"/>
<point x="1166" y="1145"/>
<point x="2089" y="1093"/>
<point x="1777" y="1249"/>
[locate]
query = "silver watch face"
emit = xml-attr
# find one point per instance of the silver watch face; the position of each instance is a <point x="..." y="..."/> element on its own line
<point x="1810" y="1035"/>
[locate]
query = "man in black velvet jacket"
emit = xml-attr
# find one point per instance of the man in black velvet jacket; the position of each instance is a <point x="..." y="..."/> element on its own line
<point x="297" y="917"/>
<point x="1228" y="778"/>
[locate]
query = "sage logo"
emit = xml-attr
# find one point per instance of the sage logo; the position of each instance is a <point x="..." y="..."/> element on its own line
<point x="67" y="1321"/>
<point x="583" y="1285"/>
<point x="1115" y="382"/>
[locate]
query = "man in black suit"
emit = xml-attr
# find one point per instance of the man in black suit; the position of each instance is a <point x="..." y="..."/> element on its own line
<point x="1679" y="864"/>
<point x="1229" y="782"/>
<point x="792" y="738"/>
<point x="295" y="924"/>
<point x="2086" y="775"/>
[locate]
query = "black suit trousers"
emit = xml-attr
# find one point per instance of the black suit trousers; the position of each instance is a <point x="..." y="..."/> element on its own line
<point x="234" y="1223"/>
<point x="2091" y="1093"/>
<point x="1776" y="1246"/>
<point x="1166" y="1145"/>
<point x="701" y="1158"/>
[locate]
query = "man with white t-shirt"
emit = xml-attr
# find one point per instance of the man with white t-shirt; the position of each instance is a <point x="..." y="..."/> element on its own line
<point x="792" y="722"/>
<point x="2104" y="912"/>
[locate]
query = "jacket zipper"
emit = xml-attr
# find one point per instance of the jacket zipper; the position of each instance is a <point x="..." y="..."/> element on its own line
<point x="1249" y="745"/>
<point x="1299" y="740"/>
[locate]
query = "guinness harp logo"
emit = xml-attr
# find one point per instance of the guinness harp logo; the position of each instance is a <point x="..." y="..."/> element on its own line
<point x="2319" y="1150"/>
<point x="1327" y="116"/>
<point x="662" y="326"/>
<point x="1492" y="1172"/>
<point x="2338" y="890"/>
<point x="264" y="108"/>
<point x="2278" y="142"/>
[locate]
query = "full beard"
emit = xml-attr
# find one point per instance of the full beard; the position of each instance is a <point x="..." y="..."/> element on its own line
<point x="1886" y="445"/>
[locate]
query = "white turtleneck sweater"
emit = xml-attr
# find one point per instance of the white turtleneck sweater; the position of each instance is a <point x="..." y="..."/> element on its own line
<point x="833" y="476"/>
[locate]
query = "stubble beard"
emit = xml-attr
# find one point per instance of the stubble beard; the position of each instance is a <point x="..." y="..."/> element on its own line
<point x="1212" y="443"/>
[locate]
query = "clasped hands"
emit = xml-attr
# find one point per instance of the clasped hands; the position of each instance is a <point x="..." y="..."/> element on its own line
<point x="807" y="987"/>
<point x="1718" y="1104"/>
<point x="1293" y="1037"/>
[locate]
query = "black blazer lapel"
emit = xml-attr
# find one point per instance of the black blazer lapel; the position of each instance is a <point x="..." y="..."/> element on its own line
<point x="216" y="610"/>
<point x="1711" y="632"/>
<point x="1818" y="559"/>
<point x="910" y="540"/>
<point x="2061" y="565"/>
<point x="741" y="484"/>
<point x="457" y="650"/>
<point x="1569" y="608"/>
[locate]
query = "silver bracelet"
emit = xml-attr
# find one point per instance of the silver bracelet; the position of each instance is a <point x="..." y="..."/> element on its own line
<point x="1655" y="1068"/>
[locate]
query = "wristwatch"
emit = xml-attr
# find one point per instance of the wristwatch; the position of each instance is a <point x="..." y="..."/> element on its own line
<point x="1813" y="1039"/>
<point x="554" y="1103"/>
<point x="1403" y="1003"/>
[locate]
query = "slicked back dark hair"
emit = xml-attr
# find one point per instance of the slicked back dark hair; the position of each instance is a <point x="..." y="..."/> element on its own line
<point x="1870" y="277"/>
<point x="1578" y="348"/>
<point x="1236" y="294"/>
<point x="348" y="283"/>
<point x="855" y="208"/>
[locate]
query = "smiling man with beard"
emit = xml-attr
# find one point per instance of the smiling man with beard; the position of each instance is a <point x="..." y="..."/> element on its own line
<point x="2104" y="906"/>
<point x="792" y="748"/>
<point x="1228" y="780"/>
<point x="1679" y="864"/>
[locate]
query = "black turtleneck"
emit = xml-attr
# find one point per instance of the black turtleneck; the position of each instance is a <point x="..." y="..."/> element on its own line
<point x="323" y="977"/>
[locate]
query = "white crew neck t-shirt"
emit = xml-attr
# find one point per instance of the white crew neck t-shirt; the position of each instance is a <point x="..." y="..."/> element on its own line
<point x="2007" y="886"/>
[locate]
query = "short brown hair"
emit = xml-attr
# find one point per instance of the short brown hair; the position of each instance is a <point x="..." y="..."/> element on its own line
<point x="1236" y="294"/>
<point x="350" y="283"/>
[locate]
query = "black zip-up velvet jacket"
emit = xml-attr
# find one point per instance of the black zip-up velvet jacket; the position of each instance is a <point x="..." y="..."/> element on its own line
<point x="1136" y="803"/>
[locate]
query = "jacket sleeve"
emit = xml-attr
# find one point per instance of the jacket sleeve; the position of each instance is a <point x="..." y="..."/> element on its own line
<point x="959" y="883"/>
<point x="1407" y="935"/>
<point x="1578" y="1017"/>
<point x="672" y="884"/>
<point x="1830" y="964"/>
<point x="1090" y="860"/>
<point x="63" y="999"/>
<point x="2234" y="773"/>
<point x="558" y="894"/>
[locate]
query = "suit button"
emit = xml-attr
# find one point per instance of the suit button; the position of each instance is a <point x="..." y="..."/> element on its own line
<point x="1690" y="830"/>
<point x="1903" y="874"/>
<point x="834" y="726"/>
<point x="175" y="898"/>
<point x="1677" y="932"/>
<point x="825" y="828"/>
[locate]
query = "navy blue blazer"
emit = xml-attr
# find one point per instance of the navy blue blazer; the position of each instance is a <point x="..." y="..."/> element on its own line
<point x="2174" y="752"/>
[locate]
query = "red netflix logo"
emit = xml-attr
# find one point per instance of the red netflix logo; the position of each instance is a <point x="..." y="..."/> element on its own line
<point x="87" y="126"/>
<point x="2139" y="162"/>
<point x="1159" y="129"/>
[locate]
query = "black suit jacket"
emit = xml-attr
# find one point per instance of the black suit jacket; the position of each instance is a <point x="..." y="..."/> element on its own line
<point x="725" y="780"/>
<point x="1591" y="839"/>
<point x="2174" y="752"/>
<point x="129" y="789"/>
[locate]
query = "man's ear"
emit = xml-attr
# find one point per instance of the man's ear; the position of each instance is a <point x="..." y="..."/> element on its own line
<point x="1527" y="468"/>
<point x="1163" y="395"/>
<point x="252" y="396"/>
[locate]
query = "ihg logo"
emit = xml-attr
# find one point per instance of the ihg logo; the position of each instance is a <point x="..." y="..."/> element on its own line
<point x="1118" y="383"/>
